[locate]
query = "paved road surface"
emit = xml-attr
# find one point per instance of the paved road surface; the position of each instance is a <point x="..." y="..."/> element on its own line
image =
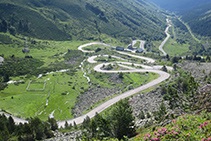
<point x="16" y="119"/>
<point x="90" y="44"/>
<point x="1" y="59"/>
<point x="142" y="42"/>
<point x="166" y="39"/>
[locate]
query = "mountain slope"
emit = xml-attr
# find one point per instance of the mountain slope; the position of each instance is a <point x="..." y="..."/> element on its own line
<point x="178" y="5"/>
<point x="82" y="19"/>
<point x="199" y="19"/>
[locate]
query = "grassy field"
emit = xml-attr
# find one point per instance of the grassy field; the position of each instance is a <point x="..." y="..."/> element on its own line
<point x="36" y="86"/>
<point x="137" y="44"/>
<point x="173" y="48"/>
<point x="17" y="100"/>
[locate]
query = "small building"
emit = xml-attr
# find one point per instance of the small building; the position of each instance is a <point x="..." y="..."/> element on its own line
<point x="139" y="50"/>
<point x="120" y="48"/>
<point x="25" y="50"/>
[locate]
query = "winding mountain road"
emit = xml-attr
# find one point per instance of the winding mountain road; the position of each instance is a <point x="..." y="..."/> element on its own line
<point x="105" y="105"/>
<point x="166" y="39"/>
<point x="142" y="42"/>
<point x="153" y="69"/>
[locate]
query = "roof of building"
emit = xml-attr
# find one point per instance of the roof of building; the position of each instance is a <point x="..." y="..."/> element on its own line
<point x="120" y="48"/>
<point x="140" y="50"/>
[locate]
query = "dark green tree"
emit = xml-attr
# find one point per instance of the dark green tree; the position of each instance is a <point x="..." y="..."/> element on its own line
<point x="66" y="126"/>
<point x="103" y="125"/>
<point x="75" y="125"/>
<point x="175" y="67"/>
<point x="141" y="115"/>
<point x="160" y="114"/>
<point x="148" y="115"/>
<point x="121" y="75"/>
<point x="122" y="120"/>
<point x="53" y="124"/>
<point x="93" y="128"/>
<point x="11" y="125"/>
<point x="86" y="122"/>
<point x="163" y="90"/>
<point x="164" y="68"/>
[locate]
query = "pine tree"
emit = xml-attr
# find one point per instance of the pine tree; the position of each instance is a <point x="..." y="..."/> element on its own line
<point x="141" y="115"/>
<point x="53" y="124"/>
<point x="122" y="120"/>
<point x="66" y="125"/>
<point x="164" y="68"/>
<point x="75" y="125"/>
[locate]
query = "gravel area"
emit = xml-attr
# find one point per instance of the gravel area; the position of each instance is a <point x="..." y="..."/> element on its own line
<point x="148" y="103"/>
<point x="91" y="97"/>
<point x="198" y="70"/>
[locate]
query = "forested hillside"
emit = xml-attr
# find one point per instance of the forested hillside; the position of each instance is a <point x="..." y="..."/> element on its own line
<point x="199" y="19"/>
<point x="84" y="19"/>
<point x="178" y="5"/>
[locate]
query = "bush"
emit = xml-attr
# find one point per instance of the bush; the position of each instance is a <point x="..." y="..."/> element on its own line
<point x="185" y="127"/>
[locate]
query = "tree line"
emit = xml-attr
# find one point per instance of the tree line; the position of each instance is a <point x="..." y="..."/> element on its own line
<point x="117" y="122"/>
<point x="35" y="129"/>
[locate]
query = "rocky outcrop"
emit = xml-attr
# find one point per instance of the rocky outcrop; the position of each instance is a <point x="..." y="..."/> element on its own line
<point x="148" y="103"/>
<point x="92" y="96"/>
<point x="70" y="136"/>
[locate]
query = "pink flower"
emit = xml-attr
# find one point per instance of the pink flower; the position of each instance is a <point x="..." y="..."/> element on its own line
<point x="158" y="131"/>
<point x="174" y="119"/>
<point x="175" y="133"/>
<point x="206" y="122"/>
<point x="200" y="126"/>
<point x="155" y="139"/>
<point x="203" y="139"/>
<point x="158" y="134"/>
<point x="188" y="134"/>
<point x="209" y="139"/>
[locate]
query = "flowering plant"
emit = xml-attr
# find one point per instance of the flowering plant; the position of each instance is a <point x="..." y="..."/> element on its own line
<point x="185" y="127"/>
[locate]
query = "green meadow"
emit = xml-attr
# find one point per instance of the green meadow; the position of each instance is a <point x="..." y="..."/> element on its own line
<point x="175" y="49"/>
<point x="63" y="88"/>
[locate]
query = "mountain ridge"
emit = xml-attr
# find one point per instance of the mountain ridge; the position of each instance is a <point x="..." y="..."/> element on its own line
<point x="179" y="5"/>
<point x="83" y="19"/>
